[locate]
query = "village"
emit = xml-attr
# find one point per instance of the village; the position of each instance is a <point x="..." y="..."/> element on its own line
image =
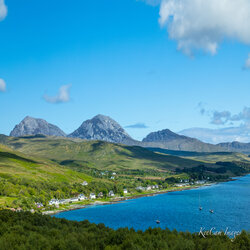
<point x="111" y="194"/>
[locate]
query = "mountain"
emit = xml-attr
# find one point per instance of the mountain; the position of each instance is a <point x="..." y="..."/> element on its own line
<point x="102" y="128"/>
<point x="235" y="147"/>
<point x="169" y="140"/>
<point x="221" y="135"/>
<point x="34" y="126"/>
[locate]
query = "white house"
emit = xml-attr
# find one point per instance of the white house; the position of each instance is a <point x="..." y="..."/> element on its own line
<point x="125" y="191"/>
<point x="64" y="201"/>
<point x="74" y="199"/>
<point x="113" y="173"/>
<point x="200" y="182"/>
<point x="148" y="188"/>
<point x="54" y="202"/>
<point x="181" y="185"/>
<point x="85" y="183"/>
<point x="112" y="177"/>
<point x="82" y="197"/>
<point x="140" y="188"/>
<point x="92" y="196"/>
<point x="111" y="194"/>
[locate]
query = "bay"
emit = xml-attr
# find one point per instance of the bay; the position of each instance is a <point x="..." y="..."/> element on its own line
<point x="178" y="210"/>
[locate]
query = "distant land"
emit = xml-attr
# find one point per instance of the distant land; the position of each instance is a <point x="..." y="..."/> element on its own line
<point x="216" y="136"/>
<point x="38" y="169"/>
<point x="104" y="128"/>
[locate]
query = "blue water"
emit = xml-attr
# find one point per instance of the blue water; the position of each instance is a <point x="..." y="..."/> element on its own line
<point x="178" y="210"/>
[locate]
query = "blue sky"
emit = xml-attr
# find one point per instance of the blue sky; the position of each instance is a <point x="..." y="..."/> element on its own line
<point x="117" y="60"/>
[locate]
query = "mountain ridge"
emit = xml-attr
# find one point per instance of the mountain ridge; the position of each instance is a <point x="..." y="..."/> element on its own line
<point x="104" y="128"/>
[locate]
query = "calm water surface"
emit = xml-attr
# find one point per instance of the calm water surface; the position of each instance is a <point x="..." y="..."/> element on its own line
<point x="178" y="210"/>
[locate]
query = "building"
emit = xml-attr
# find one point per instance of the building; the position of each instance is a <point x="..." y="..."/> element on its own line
<point x="200" y="182"/>
<point x="148" y="188"/>
<point x="85" y="183"/>
<point x="74" y="199"/>
<point x="112" y="177"/>
<point x="64" y="201"/>
<point x="125" y="191"/>
<point x="92" y="196"/>
<point x="100" y="195"/>
<point x="182" y="185"/>
<point x="54" y="202"/>
<point x="111" y="194"/>
<point x="140" y="188"/>
<point x="82" y="197"/>
<point x="39" y="205"/>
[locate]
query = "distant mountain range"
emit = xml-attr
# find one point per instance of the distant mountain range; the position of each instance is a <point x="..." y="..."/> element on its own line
<point x="104" y="128"/>
<point x="169" y="140"/>
<point x="215" y="136"/>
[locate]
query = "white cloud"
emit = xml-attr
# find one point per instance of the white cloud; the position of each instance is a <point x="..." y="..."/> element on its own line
<point x="204" y="24"/>
<point x="3" y="10"/>
<point x="225" y="117"/>
<point x="220" y="117"/>
<point x="2" y="85"/>
<point x="247" y="63"/>
<point x="62" y="96"/>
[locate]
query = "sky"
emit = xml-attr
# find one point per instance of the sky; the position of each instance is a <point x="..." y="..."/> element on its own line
<point x="150" y="65"/>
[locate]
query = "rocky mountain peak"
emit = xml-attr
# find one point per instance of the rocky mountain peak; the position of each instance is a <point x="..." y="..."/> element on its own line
<point x="162" y="136"/>
<point x="103" y="128"/>
<point x="34" y="126"/>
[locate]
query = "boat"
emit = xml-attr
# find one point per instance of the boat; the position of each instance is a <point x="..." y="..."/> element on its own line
<point x="157" y="222"/>
<point x="211" y="211"/>
<point x="200" y="207"/>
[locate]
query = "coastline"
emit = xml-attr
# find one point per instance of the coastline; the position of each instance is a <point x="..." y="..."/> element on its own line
<point x="132" y="197"/>
<point x="137" y="196"/>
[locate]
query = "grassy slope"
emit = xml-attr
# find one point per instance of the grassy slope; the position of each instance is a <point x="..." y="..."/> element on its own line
<point x="97" y="154"/>
<point x="19" y="165"/>
<point x="25" y="179"/>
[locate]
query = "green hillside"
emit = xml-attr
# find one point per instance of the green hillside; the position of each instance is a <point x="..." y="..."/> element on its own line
<point x="25" y="179"/>
<point x="39" y="168"/>
<point x="96" y="154"/>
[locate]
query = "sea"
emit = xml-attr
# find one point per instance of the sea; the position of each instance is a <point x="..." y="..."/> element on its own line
<point x="230" y="202"/>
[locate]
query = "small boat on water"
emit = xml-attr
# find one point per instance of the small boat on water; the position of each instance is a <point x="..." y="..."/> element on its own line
<point x="157" y="222"/>
<point x="200" y="207"/>
<point x="211" y="211"/>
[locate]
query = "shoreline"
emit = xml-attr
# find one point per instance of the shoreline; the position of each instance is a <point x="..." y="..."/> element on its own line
<point x="120" y="199"/>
